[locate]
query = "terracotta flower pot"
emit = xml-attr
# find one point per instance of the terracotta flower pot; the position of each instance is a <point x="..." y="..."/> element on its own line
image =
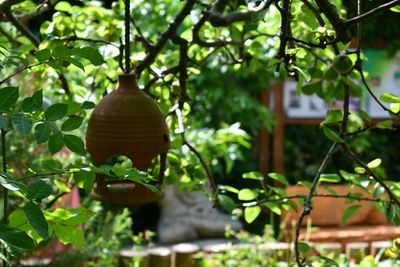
<point x="127" y="122"/>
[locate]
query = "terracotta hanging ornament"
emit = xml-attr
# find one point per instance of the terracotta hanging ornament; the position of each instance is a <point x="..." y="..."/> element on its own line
<point x="127" y="122"/>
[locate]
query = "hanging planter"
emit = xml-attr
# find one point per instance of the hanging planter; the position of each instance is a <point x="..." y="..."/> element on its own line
<point x="127" y="122"/>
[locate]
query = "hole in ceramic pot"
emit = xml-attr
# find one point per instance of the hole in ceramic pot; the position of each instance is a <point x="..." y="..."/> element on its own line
<point x="166" y="138"/>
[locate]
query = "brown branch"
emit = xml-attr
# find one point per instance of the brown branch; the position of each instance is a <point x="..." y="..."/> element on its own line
<point x="316" y="195"/>
<point x="307" y="203"/>
<point x="367" y="15"/>
<point x="19" y="71"/>
<point x="379" y="180"/>
<point x="7" y="4"/>
<point x="21" y="28"/>
<point x="167" y="34"/>
<point x="76" y="38"/>
<point x="338" y="24"/>
<point x="10" y="38"/>
<point x="222" y="20"/>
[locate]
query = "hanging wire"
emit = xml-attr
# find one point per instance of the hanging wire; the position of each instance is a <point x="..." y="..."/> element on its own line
<point x="127" y="36"/>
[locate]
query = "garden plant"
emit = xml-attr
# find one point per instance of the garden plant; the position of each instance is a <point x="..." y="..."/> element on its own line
<point x="205" y="63"/>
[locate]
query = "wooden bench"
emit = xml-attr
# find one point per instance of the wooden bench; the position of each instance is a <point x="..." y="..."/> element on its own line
<point x="367" y="225"/>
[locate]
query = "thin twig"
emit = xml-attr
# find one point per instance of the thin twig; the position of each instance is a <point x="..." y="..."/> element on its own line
<point x="21" y="70"/>
<point x="297" y="196"/>
<point x="378" y="179"/>
<point x="21" y="28"/>
<point x="367" y="15"/>
<point x="307" y="203"/>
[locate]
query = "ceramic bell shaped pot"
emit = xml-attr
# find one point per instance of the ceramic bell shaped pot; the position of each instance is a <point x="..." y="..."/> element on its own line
<point x="127" y="122"/>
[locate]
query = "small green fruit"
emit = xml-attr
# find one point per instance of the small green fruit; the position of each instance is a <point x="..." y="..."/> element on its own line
<point x="342" y="64"/>
<point x="331" y="74"/>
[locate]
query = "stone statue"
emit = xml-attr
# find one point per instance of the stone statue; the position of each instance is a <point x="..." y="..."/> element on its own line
<point x="189" y="216"/>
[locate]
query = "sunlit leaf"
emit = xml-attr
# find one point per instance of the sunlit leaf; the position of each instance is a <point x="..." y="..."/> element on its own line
<point x="350" y="212"/>
<point x="251" y="213"/>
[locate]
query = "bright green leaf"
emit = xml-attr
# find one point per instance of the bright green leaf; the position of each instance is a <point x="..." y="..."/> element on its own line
<point x="330" y="178"/>
<point x="56" y="112"/>
<point x="247" y="194"/>
<point x="21" y="123"/>
<point x="386" y="124"/>
<point x="333" y="116"/>
<point x="78" y="216"/>
<point x="396" y="9"/>
<point x="374" y="164"/>
<point x="35" y="216"/>
<point x="63" y="6"/>
<point x="349" y="212"/>
<point x="303" y="72"/>
<point x="68" y="234"/>
<point x="273" y="207"/>
<point x="389" y="98"/>
<point x="42" y="132"/>
<point x="254" y="175"/>
<point x="72" y="123"/>
<point x="251" y="213"/>
<point x="278" y="177"/>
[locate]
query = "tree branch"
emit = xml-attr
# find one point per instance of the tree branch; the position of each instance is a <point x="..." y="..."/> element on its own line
<point x="21" y="28"/>
<point x="367" y="15"/>
<point x="307" y="203"/>
<point x="7" y="4"/>
<point x="168" y="33"/>
<point x="220" y="20"/>
<point x="342" y="34"/>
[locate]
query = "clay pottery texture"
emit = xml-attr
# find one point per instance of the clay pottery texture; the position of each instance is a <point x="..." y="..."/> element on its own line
<point x="127" y="122"/>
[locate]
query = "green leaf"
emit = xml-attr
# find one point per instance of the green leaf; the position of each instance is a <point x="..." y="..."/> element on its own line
<point x="254" y="175"/>
<point x="56" y="112"/>
<point x="35" y="216"/>
<point x="56" y="142"/>
<point x="61" y="52"/>
<point x="3" y="122"/>
<point x="273" y="207"/>
<point x="90" y="53"/>
<point x="68" y="234"/>
<point x="85" y="180"/>
<point x="8" y="97"/>
<point x="247" y="194"/>
<point x="374" y="164"/>
<point x="33" y="103"/>
<point x="226" y="202"/>
<point x="389" y="98"/>
<point x="43" y="54"/>
<point x="15" y="238"/>
<point x="251" y="213"/>
<point x="396" y="9"/>
<point x="79" y="216"/>
<point x="88" y="105"/>
<point x="72" y="123"/>
<point x="349" y="212"/>
<point x="333" y="116"/>
<point x="63" y="6"/>
<point x="304" y="73"/>
<point x="304" y="247"/>
<point x="386" y="124"/>
<point x="74" y="143"/>
<point x="330" y="178"/>
<point x="328" y="262"/>
<point x="39" y="190"/>
<point x="278" y="177"/>
<point x="332" y="135"/>
<point x="42" y="132"/>
<point x="21" y="123"/>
